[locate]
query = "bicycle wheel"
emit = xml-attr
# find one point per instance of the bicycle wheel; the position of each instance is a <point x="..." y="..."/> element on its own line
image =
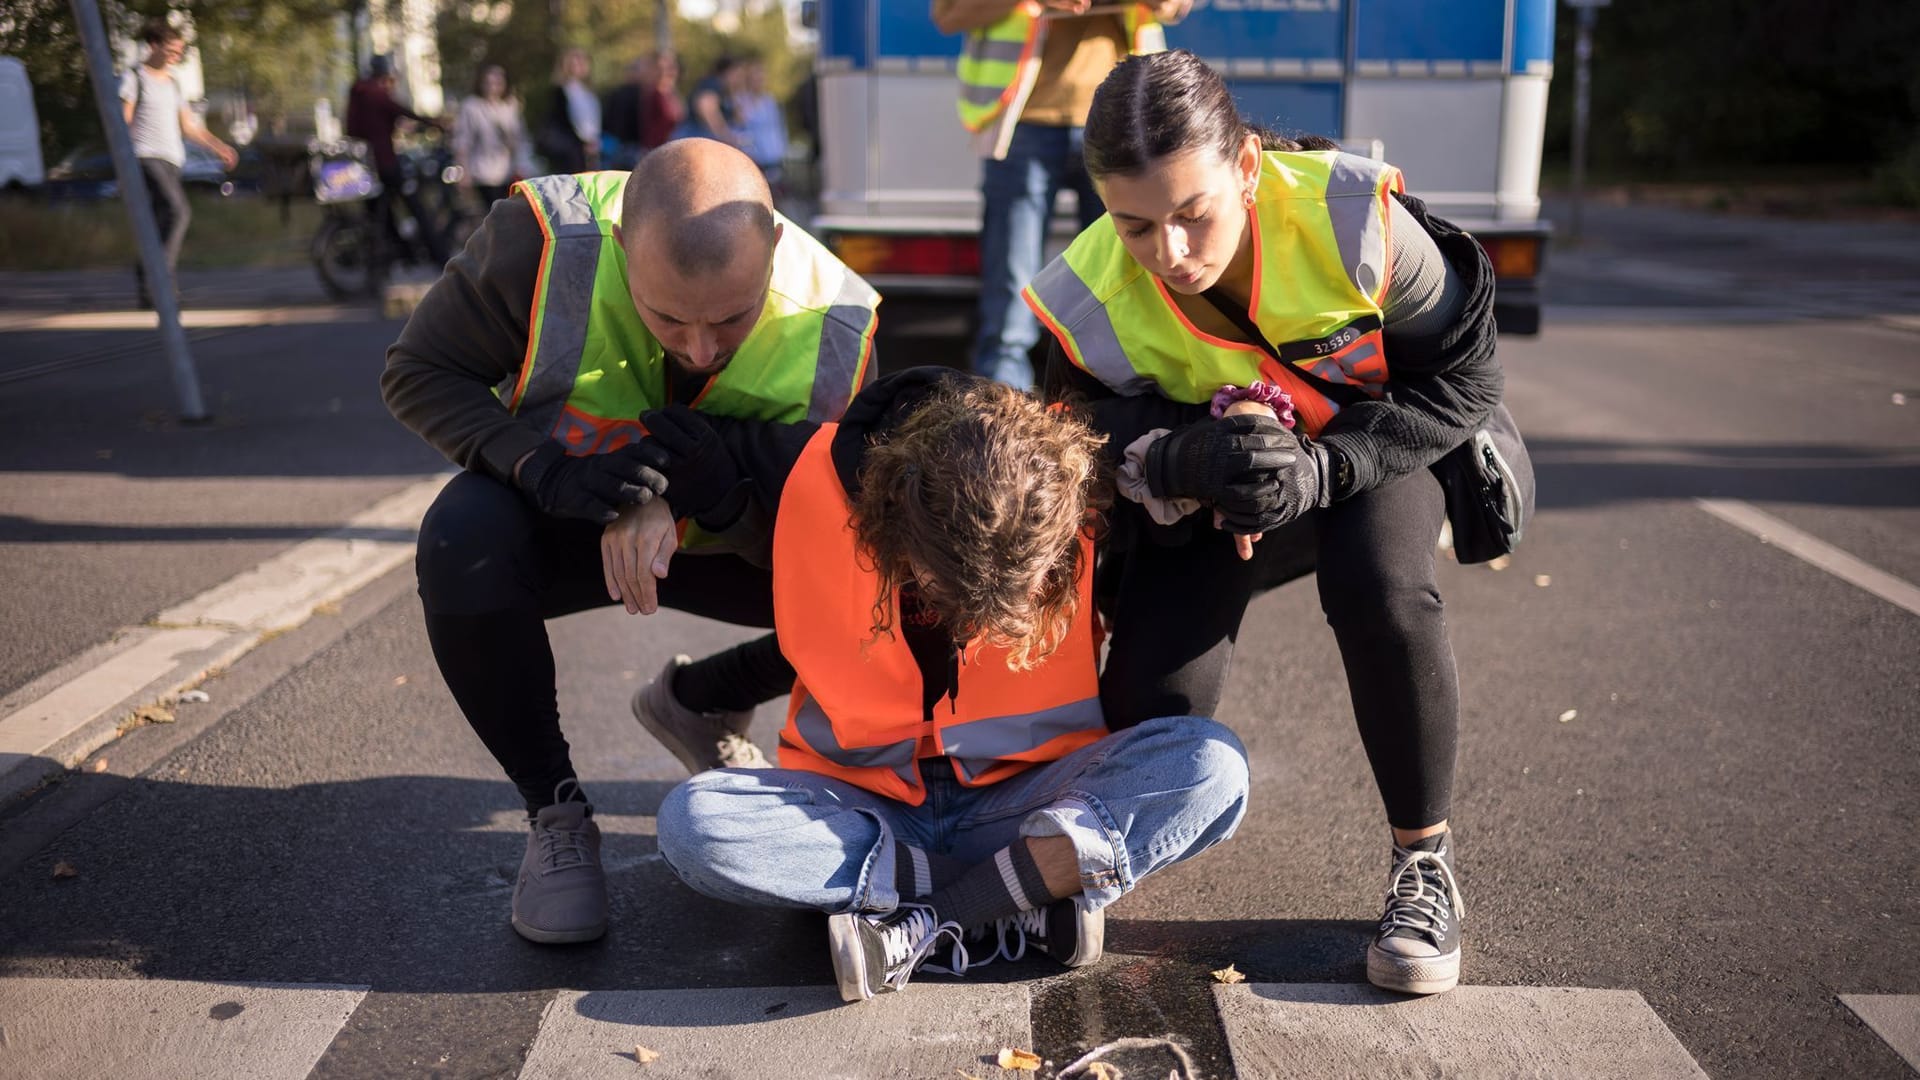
<point x="344" y="258"/>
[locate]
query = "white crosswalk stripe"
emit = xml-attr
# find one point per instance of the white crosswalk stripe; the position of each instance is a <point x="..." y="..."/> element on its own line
<point x="1293" y="1031"/>
<point x="929" y="1030"/>
<point x="55" y="1029"/>
<point x="1893" y="1017"/>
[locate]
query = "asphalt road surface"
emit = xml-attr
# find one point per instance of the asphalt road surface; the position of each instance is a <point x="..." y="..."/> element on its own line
<point x="1689" y="765"/>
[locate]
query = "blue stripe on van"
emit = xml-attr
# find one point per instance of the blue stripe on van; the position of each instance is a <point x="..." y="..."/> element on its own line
<point x="1532" y="32"/>
<point x="1307" y="33"/>
<point x="1430" y="30"/>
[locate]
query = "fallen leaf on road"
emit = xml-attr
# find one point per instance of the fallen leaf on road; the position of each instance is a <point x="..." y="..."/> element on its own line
<point x="1023" y="1060"/>
<point x="1500" y="563"/>
<point x="100" y="765"/>
<point x="326" y="607"/>
<point x="63" y="870"/>
<point x="1104" y="1070"/>
<point x="153" y="714"/>
<point x="1228" y="975"/>
<point x="1542" y="580"/>
<point x="399" y="680"/>
<point x="1568" y="715"/>
<point x="645" y="1056"/>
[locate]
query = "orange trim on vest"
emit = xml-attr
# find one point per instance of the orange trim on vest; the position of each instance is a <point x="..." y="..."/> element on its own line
<point x="857" y="711"/>
<point x="539" y="295"/>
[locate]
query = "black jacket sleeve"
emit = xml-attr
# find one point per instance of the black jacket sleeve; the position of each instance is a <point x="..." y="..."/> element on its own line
<point x="1440" y="387"/>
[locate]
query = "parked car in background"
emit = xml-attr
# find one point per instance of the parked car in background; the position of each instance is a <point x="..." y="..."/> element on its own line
<point x="20" y="162"/>
<point x="87" y="173"/>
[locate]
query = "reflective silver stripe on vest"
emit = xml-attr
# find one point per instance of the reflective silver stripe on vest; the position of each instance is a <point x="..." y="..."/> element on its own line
<point x="843" y="341"/>
<point x="569" y="306"/>
<point x="1357" y="222"/>
<point x="976" y="94"/>
<point x="814" y="727"/>
<point x="990" y="50"/>
<point x="977" y="745"/>
<point x="1068" y="300"/>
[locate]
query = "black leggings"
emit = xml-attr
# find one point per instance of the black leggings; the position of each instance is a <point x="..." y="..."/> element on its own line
<point x="1176" y="613"/>
<point x="492" y="569"/>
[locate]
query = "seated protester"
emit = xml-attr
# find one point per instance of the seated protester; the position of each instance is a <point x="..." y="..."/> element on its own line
<point x="945" y="774"/>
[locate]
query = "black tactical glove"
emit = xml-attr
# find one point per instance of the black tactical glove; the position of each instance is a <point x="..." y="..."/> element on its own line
<point x="702" y="470"/>
<point x="595" y="487"/>
<point x="1227" y="463"/>
<point x="1304" y="482"/>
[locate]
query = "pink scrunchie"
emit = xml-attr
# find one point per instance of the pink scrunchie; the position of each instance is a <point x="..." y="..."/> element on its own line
<point x="1265" y="393"/>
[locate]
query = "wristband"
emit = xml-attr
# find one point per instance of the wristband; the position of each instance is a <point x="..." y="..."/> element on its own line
<point x="1265" y="393"/>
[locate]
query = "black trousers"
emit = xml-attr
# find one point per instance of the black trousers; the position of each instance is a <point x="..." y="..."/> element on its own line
<point x="493" y="569"/>
<point x="1176" y="611"/>
<point x="171" y="213"/>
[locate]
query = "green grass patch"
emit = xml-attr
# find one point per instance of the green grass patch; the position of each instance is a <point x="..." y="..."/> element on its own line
<point x="241" y="231"/>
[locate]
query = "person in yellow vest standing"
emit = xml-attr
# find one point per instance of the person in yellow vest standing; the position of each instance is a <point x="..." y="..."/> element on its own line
<point x="582" y="302"/>
<point x="945" y="776"/>
<point x="1280" y="342"/>
<point x="1027" y="70"/>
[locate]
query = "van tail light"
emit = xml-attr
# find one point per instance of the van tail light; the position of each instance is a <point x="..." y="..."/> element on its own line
<point x="930" y="256"/>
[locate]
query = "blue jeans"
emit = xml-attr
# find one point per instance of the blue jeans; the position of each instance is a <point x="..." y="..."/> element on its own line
<point x="1019" y="193"/>
<point x="1132" y="803"/>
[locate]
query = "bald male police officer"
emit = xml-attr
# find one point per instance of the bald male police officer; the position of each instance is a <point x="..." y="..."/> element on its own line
<point x="580" y="303"/>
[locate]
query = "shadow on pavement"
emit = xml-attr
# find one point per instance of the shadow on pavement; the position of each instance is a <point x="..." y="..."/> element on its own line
<point x="1577" y="473"/>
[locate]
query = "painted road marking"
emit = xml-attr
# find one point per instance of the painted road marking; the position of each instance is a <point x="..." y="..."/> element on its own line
<point x="214" y="628"/>
<point x="192" y="318"/>
<point x="1893" y="1017"/>
<point x="1808" y="548"/>
<point x="932" y="1029"/>
<point x="1291" y="1030"/>
<point x="52" y="1029"/>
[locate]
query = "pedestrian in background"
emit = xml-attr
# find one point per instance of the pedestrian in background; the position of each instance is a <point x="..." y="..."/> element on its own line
<point x="620" y="114"/>
<point x="713" y="107"/>
<point x="1027" y="75"/>
<point x="159" y="121"/>
<point x="762" y="121"/>
<point x="490" y="138"/>
<point x="570" y="136"/>
<point x="661" y="109"/>
<point x="1245" y="284"/>
<point x="372" y="115"/>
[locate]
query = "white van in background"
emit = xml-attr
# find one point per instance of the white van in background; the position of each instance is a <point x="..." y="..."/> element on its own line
<point x="20" y="161"/>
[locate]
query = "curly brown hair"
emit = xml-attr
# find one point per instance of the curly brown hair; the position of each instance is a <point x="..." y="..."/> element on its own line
<point x="980" y="495"/>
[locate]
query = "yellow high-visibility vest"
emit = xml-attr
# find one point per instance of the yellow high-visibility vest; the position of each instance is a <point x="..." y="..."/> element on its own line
<point x="1321" y="265"/>
<point x="998" y="64"/>
<point x="592" y="367"/>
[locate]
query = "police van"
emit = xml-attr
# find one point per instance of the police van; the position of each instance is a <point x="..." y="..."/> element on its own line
<point x="1454" y="92"/>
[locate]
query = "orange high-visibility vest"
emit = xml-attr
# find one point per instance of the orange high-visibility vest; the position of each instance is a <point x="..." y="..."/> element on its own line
<point x="857" y="712"/>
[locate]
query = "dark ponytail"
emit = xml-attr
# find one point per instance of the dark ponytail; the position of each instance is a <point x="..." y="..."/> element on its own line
<point x="1161" y="104"/>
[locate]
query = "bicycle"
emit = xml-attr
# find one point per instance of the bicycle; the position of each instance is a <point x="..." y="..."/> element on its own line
<point x="354" y="252"/>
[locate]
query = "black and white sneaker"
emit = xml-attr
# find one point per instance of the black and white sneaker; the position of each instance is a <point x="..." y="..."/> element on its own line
<point x="1418" y="948"/>
<point x="1074" y="937"/>
<point x="877" y="952"/>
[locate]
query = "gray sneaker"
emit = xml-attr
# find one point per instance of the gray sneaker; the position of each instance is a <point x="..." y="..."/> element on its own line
<point x="1417" y="950"/>
<point x="702" y="741"/>
<point x="561" y="894"/>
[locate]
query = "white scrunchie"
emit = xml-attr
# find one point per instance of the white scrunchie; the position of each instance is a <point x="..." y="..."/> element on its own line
<point x="1132" y="482"/>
